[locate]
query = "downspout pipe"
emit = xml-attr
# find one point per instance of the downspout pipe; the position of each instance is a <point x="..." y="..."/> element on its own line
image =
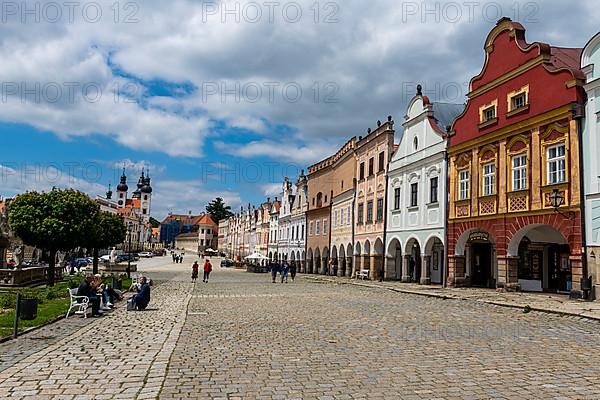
<point x="579" y="115"/>
<point x="385" y="227"/>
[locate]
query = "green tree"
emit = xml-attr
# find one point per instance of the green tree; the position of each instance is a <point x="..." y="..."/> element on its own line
<point x="218" y="210"/>
<point x="58" y="220"/>
<point x="109" y="230"/>
<point x="154" y="222"/>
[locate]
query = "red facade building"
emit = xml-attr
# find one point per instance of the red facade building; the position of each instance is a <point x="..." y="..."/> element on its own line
<point x="514" y="157"/>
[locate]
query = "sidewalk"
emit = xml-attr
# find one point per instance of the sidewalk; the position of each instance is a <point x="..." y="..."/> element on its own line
<point x="543" y="302"/>
<point x="123" y="355"/>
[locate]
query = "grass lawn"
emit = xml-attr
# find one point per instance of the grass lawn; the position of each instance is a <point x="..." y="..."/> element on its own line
<point x="53" y="302"/>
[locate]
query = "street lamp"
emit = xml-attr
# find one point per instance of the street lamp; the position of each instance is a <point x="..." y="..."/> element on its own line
<point x="557" y="200"/>
<point x="130" y="231"/>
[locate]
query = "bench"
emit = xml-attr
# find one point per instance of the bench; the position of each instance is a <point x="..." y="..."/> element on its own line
<point x="363" y="274"/>
<point x="78" y="303"/>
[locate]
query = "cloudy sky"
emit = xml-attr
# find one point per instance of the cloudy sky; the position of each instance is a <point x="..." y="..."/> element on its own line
<point x="226" y="98"/>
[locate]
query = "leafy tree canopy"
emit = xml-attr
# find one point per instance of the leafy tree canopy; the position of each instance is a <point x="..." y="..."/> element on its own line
<point x="57" y="220"/>
<point x="218" y="210"/>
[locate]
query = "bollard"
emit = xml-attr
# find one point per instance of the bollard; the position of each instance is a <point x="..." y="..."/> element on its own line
<point x="17" y="313"/>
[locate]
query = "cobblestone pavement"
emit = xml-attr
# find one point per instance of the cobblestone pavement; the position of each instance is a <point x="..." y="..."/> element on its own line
<point x="553" y="303"/>
<point x="121" y="356"/>
<point x="250" y="339"/>
<point x="242" y="337"/>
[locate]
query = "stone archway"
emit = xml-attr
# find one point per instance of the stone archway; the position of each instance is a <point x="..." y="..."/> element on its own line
<point x="367" y="265"/>
<point x="326" y="268"/>
<point x="413" y="260"/>
<point x="433" y="264"/>
<point x="475" y="261"/>
<point x="342" y="261"/>
<point x="318" y="262"/>
<point x="358" y="262"/>
<point x="538" y="256"/>
<point x="349" y="260"/>
<point x="378" y="259"/>
<point x="310" y="262"/>
<point x="394" y="260"/>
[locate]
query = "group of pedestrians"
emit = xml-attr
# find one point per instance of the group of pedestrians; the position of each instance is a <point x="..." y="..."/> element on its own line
<point x="177" y="258"/>
<point x="284" y="270"/>
<point x="196" y="270"/>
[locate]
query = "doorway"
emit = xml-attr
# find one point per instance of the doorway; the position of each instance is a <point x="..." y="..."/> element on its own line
<point x="481" y="265"/>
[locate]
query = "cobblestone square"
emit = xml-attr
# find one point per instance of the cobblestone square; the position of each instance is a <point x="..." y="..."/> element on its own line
<point x="242" y="337"/>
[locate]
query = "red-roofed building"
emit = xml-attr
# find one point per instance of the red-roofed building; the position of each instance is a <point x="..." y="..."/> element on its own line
<point x="514" y="206"/>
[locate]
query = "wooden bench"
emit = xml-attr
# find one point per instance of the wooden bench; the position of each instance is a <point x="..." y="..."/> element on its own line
<point x="363" y="274"/>
<point x="78" y="303"/>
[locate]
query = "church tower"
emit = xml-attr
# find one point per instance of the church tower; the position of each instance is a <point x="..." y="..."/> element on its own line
<point x="122" y="190"/>
<point x="146" y="196"/>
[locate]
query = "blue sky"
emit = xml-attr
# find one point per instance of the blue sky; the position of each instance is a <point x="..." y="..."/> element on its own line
<point x="211" y="105"/>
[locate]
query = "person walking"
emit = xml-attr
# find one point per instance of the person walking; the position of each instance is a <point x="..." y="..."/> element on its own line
<point x="293" y="270"/>
<point x="274" y="268"/>
<point x="195" y="269"/>
<point x="207" y="270"/>
<point x="284" y="271"/>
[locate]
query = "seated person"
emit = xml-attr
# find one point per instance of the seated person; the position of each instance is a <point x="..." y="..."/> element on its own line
<point x="86" y="288"/>
<point x="142" y="298"/>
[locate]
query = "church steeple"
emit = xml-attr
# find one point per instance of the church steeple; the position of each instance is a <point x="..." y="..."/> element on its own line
<point x="122" y="190"/>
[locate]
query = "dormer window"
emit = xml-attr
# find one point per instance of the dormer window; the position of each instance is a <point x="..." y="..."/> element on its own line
<point x="519" y="101"/>
<point x="489" y="114"/>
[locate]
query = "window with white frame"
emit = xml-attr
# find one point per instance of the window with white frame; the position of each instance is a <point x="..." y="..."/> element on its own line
<point x="317" y="228"/>
<point x="335" y="218"/>
<point x="519" y="172"/>
<point x="489" y="114"/>
<point x="519" y="101"/>
<point x="342" y="217"/>
<point x="325" y="227"/>
<point x="463" y="185"/>
<point x="489" y="179"/>
<point x="310" y="229"/>
<point x="557" y="164"/>
<point x="397" y="198"/>
<point x="349" y="220"/>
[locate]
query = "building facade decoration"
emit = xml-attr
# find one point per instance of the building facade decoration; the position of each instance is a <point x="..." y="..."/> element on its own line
<point x="373" y="154"/>
<point x="343" y="192"/>
<point x="512" y="151"/>
<point x="298" y="223"/>
<point x="416" y="212"/>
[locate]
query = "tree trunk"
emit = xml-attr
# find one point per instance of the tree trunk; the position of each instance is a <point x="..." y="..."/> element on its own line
<point x="95" y="264"/>
<point x="51" y="267"/>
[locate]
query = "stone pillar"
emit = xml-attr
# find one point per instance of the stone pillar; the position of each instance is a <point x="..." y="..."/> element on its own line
<point x="390" y="268"/>
<point x="536" y="170"/>
<point x="576" y="272"/>
<point x="377" y="266"/>
<point x="456" y="271"/>
<point x="508" y="273"/>
<point x="349" y="266"/>
<point x="425" y="270"/>
<point x="406" y="278"/>
<point x="502" y="175"/>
